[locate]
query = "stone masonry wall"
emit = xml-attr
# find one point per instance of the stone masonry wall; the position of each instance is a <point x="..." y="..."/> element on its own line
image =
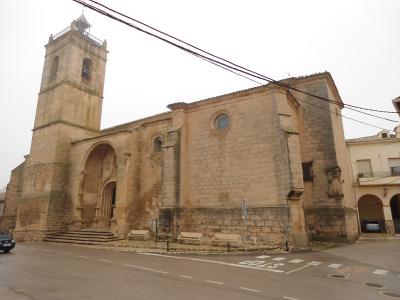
<point x="324" y="213"/>
<point x="13" y="194"/>
<point x="267" y="225"/>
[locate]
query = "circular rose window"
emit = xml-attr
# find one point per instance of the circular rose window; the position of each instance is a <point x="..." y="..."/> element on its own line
<point x="221" y="122"/>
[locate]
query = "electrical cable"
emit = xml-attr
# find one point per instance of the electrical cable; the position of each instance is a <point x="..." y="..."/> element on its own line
<point x="220" y="64"/>
<point x="228" y="61"/>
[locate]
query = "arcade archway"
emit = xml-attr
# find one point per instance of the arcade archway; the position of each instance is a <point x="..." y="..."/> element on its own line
<point x="395" y="209"/>
<point x="370" y="210"/>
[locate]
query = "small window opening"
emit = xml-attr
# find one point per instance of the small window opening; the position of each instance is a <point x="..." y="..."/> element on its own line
<point x="86" y="68"/>
<point x="54" y="69"/>
<point x="384" y="135"/>
<point x="158" y="144"/>
<point x="307" y="171"/>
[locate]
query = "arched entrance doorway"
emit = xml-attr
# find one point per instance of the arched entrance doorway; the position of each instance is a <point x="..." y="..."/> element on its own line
<point x="108" y="201"/>
<point x="395" y="208"/>
<point x="370" y="210"/>
<point x="99" y="187"/>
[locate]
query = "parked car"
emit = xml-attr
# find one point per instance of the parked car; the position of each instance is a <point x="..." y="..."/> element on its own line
<point x="6" y="242"/>
<point x="372" y="226"/>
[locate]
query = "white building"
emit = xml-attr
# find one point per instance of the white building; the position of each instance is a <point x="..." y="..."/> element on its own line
<point x="375" y="162"/>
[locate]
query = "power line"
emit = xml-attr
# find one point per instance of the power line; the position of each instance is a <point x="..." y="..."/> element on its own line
<point x="271" y="80"/>
<point x="236" y="70"/>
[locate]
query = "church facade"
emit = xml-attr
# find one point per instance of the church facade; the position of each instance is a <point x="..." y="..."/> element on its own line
<point x="281" y="151"/>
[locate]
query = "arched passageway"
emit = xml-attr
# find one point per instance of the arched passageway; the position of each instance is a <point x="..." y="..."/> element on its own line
<point x="395" y="209"/>
<point x="370" y="210"/>
<point x="99" y="187"/>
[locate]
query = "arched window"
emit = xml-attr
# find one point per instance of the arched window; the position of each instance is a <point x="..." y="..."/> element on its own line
<point x="86" y="68"/>
<point x="158" y="144"/>
<point x="53" y="69"/>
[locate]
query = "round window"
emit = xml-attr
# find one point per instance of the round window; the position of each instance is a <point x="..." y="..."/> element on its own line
<point x="222" y="122"/>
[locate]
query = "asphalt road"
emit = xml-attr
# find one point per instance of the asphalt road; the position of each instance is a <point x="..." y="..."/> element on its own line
<point x="58" y="271"/>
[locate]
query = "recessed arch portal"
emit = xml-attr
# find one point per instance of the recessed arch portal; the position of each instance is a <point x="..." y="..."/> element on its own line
<point x="99" y="186"/>
<point x="370" y="209"/>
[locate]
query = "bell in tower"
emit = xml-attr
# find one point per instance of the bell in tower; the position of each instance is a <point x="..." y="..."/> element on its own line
<point x="81" y="24"/>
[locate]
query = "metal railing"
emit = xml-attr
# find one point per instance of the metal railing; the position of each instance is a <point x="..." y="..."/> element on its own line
<point x="85" y="34"/>
<point x="380" y="174"/>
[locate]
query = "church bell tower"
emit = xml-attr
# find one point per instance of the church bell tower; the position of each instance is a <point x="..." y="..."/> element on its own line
<point x="69" y="107"/>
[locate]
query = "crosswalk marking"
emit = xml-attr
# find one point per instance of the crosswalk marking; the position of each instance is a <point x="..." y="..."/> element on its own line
<point x="263" y="256"/>
<point x="315" y="263"/>
<point x="335" y="266"/>
<point x="279" y="258"/>
<point x="380" y="272"/>
<point x="296" y="261"/>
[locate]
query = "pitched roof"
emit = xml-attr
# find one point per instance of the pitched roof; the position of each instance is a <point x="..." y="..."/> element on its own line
<point x="290" y="80"/>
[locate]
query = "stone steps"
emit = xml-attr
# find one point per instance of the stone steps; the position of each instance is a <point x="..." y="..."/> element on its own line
<point x="84" y="237"/>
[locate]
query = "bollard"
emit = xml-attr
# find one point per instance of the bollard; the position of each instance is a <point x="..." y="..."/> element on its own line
<point x="228" y="247"/>
<point x="286" y="246"/>
<point x="167" y="246"/>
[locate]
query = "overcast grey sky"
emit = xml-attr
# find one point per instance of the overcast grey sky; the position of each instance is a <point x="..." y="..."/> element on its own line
<point x="357" y="41"/>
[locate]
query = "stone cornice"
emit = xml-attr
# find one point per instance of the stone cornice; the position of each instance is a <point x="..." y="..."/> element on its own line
<point x="72" y="84"/>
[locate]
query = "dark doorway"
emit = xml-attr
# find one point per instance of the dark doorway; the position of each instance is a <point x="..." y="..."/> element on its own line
<point x="395" y="208"/>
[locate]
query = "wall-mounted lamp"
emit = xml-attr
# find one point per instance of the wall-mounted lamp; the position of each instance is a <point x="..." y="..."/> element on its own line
<point x="385" y="191"/>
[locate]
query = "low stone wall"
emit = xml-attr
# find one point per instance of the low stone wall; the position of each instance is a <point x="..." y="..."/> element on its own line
<point x="328" y="224"/>
<point x="264" y="224"/>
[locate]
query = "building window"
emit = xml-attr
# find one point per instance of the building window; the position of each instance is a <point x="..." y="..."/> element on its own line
<point x="364" y="168"/>
<point x="86" y="68"/>
<point x="394" y="166"/>
<point x="222" y="122"/>
<point x="158" y="144"/>
<point x="53" y="69"/>
<point x="308" y="173"/>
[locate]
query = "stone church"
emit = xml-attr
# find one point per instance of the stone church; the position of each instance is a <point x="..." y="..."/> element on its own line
<point x="190" y="167"/>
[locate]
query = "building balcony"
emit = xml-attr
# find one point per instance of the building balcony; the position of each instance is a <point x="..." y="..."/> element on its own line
<point x="391" y="177"/>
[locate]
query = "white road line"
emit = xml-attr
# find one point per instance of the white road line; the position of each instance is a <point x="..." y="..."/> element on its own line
<point x="81" y="256"/>
<point x="279" y="258"/>
<point x="263" y="256"/>
<point x="296" y="261"/>
<point x="215" y="282"/>
<point x="212" y="261"/>
<point x="105" y="260"/>
<point x="298" y="269"/>
<point x="315" y="263"/>
<point x="147" y="269"/>
<point x="185" y="276"/>
<point x="380" y="272"/>
<point x="335" y="266"/>
<point x="250" y="290"/>
<point x="289" y="298"/>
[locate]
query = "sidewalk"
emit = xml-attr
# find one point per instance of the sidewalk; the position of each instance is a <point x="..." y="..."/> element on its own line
<point x="378" y="237"/>
<point x="177" y="248"/>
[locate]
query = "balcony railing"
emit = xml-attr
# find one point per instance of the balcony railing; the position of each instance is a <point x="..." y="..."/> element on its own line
<point x="85" y="34"/>
<point x="395" y="171"/>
